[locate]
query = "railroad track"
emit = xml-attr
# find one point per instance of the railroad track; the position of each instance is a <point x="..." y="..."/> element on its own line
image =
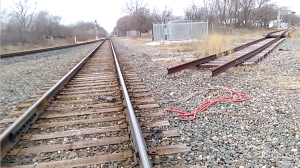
<point x="279" y="33"/>
<point x="15" y="54"/>
<point x="99" y="114"/>
<point x="247" y="54"/>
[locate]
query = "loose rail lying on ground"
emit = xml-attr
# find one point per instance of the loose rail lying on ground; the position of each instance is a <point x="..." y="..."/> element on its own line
<point x="9" y="55"/>
<point x="240" y="59"/>
<point x="233" y="62"/>
<point x="194" y="63"/>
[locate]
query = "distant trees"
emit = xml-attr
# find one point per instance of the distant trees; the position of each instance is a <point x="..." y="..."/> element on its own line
<point x="234" y="13"/>
<point x="163" y="16"/>
<point x="219" y="13"/>
<point x="195" y="13"/>
<point x="140" y="11"/>
<point x="140" y="17"/>
<point x="125" y="23"/>
<point x="23" y="23"/>
<point x="24" y="11"/>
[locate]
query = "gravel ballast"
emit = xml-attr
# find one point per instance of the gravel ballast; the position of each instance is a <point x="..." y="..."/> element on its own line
<point x="266" y="133"/>
<point x="22" y="76"/>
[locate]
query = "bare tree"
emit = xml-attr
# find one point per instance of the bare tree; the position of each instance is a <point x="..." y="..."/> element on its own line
<point x="162" y="16"/>
<point x="134" y="7"/>
<point x="209" y="10"/>
<point x="33" y="26"/>
<point x="139" y="9"/>
<point x="233" y="13"/>
<point x="4" y="19"/>
<point x="127" y="23"/>
<point x="265" y="14"/>
<point x="24" y="11"/>
<point x="194" y="12"/>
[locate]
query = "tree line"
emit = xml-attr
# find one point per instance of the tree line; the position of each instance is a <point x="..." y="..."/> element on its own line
<point x="221" y="14"/>
<point x="22" y="23"/>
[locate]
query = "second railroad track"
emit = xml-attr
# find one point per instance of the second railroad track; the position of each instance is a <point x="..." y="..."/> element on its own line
<point x="246" y="54"/>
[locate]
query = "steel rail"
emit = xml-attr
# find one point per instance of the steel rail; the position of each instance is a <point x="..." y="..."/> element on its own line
<point x="283" y="34"/>
<point x="194" y="63"/>
<point x="10" y="55"/>
<point x="241" y="59"/>
<point x="197" y="62"/>
<point x="269" y="34"/>
<point x="13" y="133"/>
<point x="289" y="31"/>
<point x="139" y="140"/>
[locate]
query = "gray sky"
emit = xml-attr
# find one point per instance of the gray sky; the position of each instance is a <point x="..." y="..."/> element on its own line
<point x="107" y="12"/>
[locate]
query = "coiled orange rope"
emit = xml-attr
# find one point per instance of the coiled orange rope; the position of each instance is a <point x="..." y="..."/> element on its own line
<point x="202" y="107"/>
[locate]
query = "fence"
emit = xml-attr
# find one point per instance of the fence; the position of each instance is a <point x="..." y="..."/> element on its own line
<point x="177" y="31"/>
<point x="133" y="33"/>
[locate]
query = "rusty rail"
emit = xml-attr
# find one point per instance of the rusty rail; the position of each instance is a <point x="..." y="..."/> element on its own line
<point x="10" y="55"/>
<point x="275" y="33"/>
<point x="241" y="59"/>
<point x="138" y="140"/>
<point x="195" y="63"/>
<point x="13" y="133"/>
<point x="269" y="34"/>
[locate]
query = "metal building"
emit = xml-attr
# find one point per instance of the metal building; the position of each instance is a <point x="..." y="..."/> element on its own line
<point x="133" y="33"/>
<point x="180" y="30"/>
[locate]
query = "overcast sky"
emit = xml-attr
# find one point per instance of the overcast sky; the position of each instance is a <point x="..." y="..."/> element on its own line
<point x="107" y="12"/>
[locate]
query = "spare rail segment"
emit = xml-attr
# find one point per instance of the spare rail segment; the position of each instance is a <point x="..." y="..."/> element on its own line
<point x="9" y="55"/>
<point x="195" y="63"/>
<point x="13" y="133"/>
<point x="279" y="33"/>
<point x="241" y="59"/>
<point x="289" y="31"/>
<point x="272" y="33"/>
<point x="138" y="139"/>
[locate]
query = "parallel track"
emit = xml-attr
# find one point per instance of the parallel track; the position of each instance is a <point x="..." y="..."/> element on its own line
<point x="10" y="55"/>
<point x="246" y="54"/>
<point x="72" y="124"/>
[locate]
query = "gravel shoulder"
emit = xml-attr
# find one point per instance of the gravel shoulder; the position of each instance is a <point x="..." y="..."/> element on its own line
<point x="268" y="136"/>
<point x="21" y="77"/>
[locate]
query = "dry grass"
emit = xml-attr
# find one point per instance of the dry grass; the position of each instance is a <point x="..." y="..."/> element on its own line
<point x="294" y="35"/>
<point x="145" y="37"/>
<point x="260" y="67"/>
<point x="298" y="48"/>
<point x="217" y="42"/>
<point x="289" y="82"/>
<point x="44" y="44"/>
<point x="142" y="39"/>
<point x="185" y="46"/>
<point x="174" y="60"/>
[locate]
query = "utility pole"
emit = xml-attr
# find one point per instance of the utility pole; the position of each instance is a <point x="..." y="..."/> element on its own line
<point x="96" y="33"/>
<point x="278" y="19"/>
<point x="164" y="21"/>
<point x="291" y="14"/>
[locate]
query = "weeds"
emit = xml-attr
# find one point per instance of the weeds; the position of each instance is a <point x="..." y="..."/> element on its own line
<point x="298" y="48"/>
<point x="43" y="44"/>
<point x="289" y="82"/>
<point x="219" y="42"/>
<point x="293" y="35"/>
